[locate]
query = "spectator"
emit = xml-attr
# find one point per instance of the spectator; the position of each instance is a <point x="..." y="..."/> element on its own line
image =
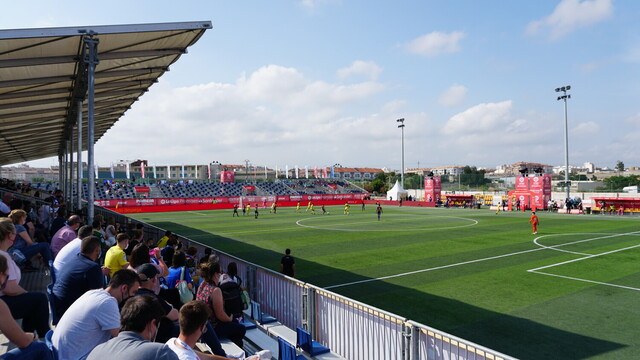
<point x="205" y="258"/>
<point x="163" y="240"/>
<point x="23" y="242"/>
<point x="288" y="264"/>
<point x="29" y="348"/>
<point x="67" y="233"/>
<point x="71" y="250"/>
<point x="115" y="259"/>
<point x="168" y="251"/>
<point x="31" y="307"/>
<point x="210" y="293"/>
<point x="137" y="239"/>
<point x="178" y="265"/>
<point x="94" y="318"/>
<point x="142" y="255"/>
<point x="5" y="209"/>
<point x="44" y="213"/>
<point x="111" y="232"/>
<point x="140" y="317"/>
<point x="79" y="275"/>
<point x="58" y="221"/>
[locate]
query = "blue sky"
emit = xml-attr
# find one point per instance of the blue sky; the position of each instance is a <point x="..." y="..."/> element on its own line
<point x="319" y="82"/>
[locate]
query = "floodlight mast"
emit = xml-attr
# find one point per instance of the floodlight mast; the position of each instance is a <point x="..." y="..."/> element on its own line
<point x="401" y="126"/>
<point x="564" y="97"/>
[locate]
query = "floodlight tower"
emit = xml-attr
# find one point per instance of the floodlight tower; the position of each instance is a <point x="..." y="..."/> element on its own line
<point x="401" y="126"/>
<point x="564" y="97"/>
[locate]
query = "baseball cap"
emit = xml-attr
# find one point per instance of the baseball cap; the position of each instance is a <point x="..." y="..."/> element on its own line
<point x="148" y="270"/>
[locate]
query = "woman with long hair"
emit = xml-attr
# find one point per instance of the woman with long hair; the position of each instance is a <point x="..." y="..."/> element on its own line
<point x="23" y="242"/>
<point x="31" y="307"/>
<point x="210" y="293"/>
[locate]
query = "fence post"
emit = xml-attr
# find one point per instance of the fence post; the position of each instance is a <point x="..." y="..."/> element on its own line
<point x="406" y="341"/>
<point x="251" y="282"/>
<point x="415" y="343"/>
<point x="311" y="312"/>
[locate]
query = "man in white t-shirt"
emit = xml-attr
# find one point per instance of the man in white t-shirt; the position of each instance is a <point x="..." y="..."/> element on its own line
<point x="94" y="318"/>
<point x="70" y="250"/>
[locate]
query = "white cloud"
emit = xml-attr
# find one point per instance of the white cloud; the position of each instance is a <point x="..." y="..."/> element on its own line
<point x="369" y="69"/>
<point x="453" y="96"/>
<point x="481" y="118"/>
<point x="273" y="115"/>
<point x="570" y="15"/>
<point x="586" y="128"/>
<point x="436" y="43"/>
<point x="634" y="119"/>
<point x="314" y="4"/>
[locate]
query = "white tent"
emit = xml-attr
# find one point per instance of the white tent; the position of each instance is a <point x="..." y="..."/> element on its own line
<point x="397" y="192"/>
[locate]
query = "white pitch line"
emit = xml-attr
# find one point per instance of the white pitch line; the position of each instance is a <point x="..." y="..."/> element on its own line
<point x="485" y="259"/>
<point x="584" y="258"/>
<point x="434" y="268"/>
<point x="584" y="280"/>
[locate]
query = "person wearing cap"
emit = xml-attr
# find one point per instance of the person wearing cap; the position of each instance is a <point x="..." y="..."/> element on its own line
<point x="168" y="326"/>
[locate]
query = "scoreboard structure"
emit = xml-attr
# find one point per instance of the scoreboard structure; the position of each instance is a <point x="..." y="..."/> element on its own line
<point x="432" y="190"/>
<point x="532" y="192"/>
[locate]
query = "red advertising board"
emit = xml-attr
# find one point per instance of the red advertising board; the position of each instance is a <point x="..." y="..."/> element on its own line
<point x="432" y="184"/>
<point x="227" y="176"/>
<point x="522" y="183"/>
<point x="249" y="187"/>
<point x="141" y="189"/>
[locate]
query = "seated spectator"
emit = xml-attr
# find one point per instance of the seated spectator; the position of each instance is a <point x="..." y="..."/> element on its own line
<point x="28" y="345"/>
<point x="111" y="232"/>
<point x="142" y="255"/>
<point x="79" y="275"/>
<point x="168" y="327"/>
<point x="31" y="307"/>
<point x="58" y="221"/>
<point x="168" y="251"/>
<point x="71" y="250"/>
<point x="66" y="233"/>
<point x="193" y="326"/>
<point x="209" y="293"/>
<point x="5" y="209"/>
<point x="115" y="259"/>
<point x="94" y="318"/>
<point x="137" y="239"/>
<point x="23" y="242"/>
<point x="140" y="317"/>
<point x="45" y="214"/>
<point x="176" y="270"/>
<point x="163" y="240"/>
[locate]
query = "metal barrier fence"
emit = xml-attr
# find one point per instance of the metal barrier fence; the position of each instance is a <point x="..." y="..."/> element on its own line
<point x="351" y="329"/>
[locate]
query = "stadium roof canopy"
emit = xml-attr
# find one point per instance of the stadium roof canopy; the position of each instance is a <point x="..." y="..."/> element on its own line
<point x="44" y="75"/>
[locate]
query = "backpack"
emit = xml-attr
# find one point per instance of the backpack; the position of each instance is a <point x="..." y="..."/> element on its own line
<point x="183" y="288"/>
<point x="232" y="295"/>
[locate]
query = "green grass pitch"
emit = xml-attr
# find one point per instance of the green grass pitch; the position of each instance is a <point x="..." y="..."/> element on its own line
<point x="569" y="292"/>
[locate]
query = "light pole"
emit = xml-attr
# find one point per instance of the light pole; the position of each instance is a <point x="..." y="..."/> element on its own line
<point x="564" y="97"/>
<point x="401" y="126"/>
<point x="246" y="171"/>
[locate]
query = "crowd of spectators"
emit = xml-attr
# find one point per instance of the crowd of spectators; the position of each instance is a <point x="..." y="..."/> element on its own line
<point x="114" y="290"/>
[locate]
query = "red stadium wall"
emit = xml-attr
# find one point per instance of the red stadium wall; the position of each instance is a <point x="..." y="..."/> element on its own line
<point x="211" y="203"/>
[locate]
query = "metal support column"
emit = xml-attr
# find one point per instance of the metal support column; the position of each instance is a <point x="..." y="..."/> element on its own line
<point x="71" y="182"/>
<point x="79" y="157"/>
<point x="60" y="171"/>
<point x="90" y="51"/>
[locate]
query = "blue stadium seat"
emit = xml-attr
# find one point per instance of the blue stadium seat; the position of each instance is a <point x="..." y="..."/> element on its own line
<point x="304" y="341"/>
<point x="48" y="340"/>
<point x="52" y="304"/>
<point x="287" y="351"/>
<point x="259" y="316"/>
<point x="248" y="325"/>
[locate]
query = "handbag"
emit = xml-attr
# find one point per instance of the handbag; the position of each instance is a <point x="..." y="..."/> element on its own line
<point x="183" y="288"/>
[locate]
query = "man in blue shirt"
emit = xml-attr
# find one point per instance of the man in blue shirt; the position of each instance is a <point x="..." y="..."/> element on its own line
<point x="79" y="275"/>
